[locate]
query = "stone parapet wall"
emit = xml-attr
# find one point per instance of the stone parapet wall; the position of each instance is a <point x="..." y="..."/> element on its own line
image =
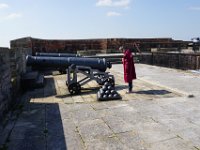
<point x="21" y="43"/>
<point x="145" y="58"/>
<point x="172" y="60"/>
<point x="59" y="46"/>
<point x="5" y="81"/>
<point x="113" y="44"/>
<point x="189" y="61"/>
<point x="12" y="65"/>
<point x="18" y="66"/>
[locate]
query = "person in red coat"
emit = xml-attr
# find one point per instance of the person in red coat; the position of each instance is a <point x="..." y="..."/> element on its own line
<point x="129" y="68"/>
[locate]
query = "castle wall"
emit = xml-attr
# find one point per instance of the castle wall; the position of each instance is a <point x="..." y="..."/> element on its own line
<point x="185" y="61"/>
<point x="72" y="46"/>
<point x="12" y="65"/>
<point x="5" y="81"/>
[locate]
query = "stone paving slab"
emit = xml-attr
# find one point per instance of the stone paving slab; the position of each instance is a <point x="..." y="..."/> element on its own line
<point x="152" y="132"/>
<point x="84" y="114"/>
<point x="172" y="144"/>
<point x="105" y="144"/>
<point x="118" y="124"/>
<point x="191" y="135"/>
<point x="94" y="129"/>
<point x="23" y="130"/>
<point x="70" y="142"/>
<point x="132" y="140"/>
<point x="29" y="143"/>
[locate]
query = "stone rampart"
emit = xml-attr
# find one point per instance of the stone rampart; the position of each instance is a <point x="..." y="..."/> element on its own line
<point x="186" y="61"/>
<point x="12" y="65"/>
<point x="111" y="44"/>
<point x="5" y="81"/>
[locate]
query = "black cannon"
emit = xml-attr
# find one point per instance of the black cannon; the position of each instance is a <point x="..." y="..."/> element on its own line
<point x="65" y="62"/>
<point x="92" y="68"/>
<point x="57" y="54"/>
<point x="116" y="59"/>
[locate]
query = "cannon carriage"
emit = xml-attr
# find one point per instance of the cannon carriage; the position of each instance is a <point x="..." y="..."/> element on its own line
<point x="91" y="68"/>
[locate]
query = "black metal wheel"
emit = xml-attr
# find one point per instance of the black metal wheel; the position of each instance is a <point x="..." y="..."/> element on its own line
<point x="74" y="88"/>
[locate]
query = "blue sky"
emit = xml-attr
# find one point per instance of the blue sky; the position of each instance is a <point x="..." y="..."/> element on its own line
<point x="80" y="19"/>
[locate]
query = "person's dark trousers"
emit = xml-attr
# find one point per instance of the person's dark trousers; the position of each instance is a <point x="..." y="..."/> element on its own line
<point x="130" y="86"/>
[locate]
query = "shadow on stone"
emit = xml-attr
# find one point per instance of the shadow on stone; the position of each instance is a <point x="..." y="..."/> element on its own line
<point x="84" y="91"/>
<point x="121" y="87"/>
<point x="55" y="135"/>
<point x="40" y="123"/>
<point x="153" y="92"/>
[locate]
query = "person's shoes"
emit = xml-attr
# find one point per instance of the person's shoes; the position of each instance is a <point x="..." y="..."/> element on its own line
<point x="128" y="92"/>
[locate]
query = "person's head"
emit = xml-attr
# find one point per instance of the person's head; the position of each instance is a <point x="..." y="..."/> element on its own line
<point x="121" y="48"/>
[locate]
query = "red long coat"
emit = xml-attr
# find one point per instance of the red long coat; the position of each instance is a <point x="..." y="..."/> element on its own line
<point x="129" y="67"/>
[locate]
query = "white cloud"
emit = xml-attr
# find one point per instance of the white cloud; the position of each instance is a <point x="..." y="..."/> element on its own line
<point x="122" y="3"/>
<point x="3" y="5"/>
<point x="114" y="3"/>
<point x="13" y="16"/>
<point x="195" y="8"/>
<point x="112" y="13"/>
<point x="104" y="3"/>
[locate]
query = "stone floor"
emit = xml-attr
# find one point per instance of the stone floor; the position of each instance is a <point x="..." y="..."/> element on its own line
<point x="159" y="115"/>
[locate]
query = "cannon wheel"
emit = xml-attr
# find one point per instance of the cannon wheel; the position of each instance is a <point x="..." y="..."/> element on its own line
<point x="74" y="88"/>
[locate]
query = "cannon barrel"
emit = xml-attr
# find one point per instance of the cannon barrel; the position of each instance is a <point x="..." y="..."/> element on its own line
<point x="65" y="62"/>
<point x="57" y="54"/>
